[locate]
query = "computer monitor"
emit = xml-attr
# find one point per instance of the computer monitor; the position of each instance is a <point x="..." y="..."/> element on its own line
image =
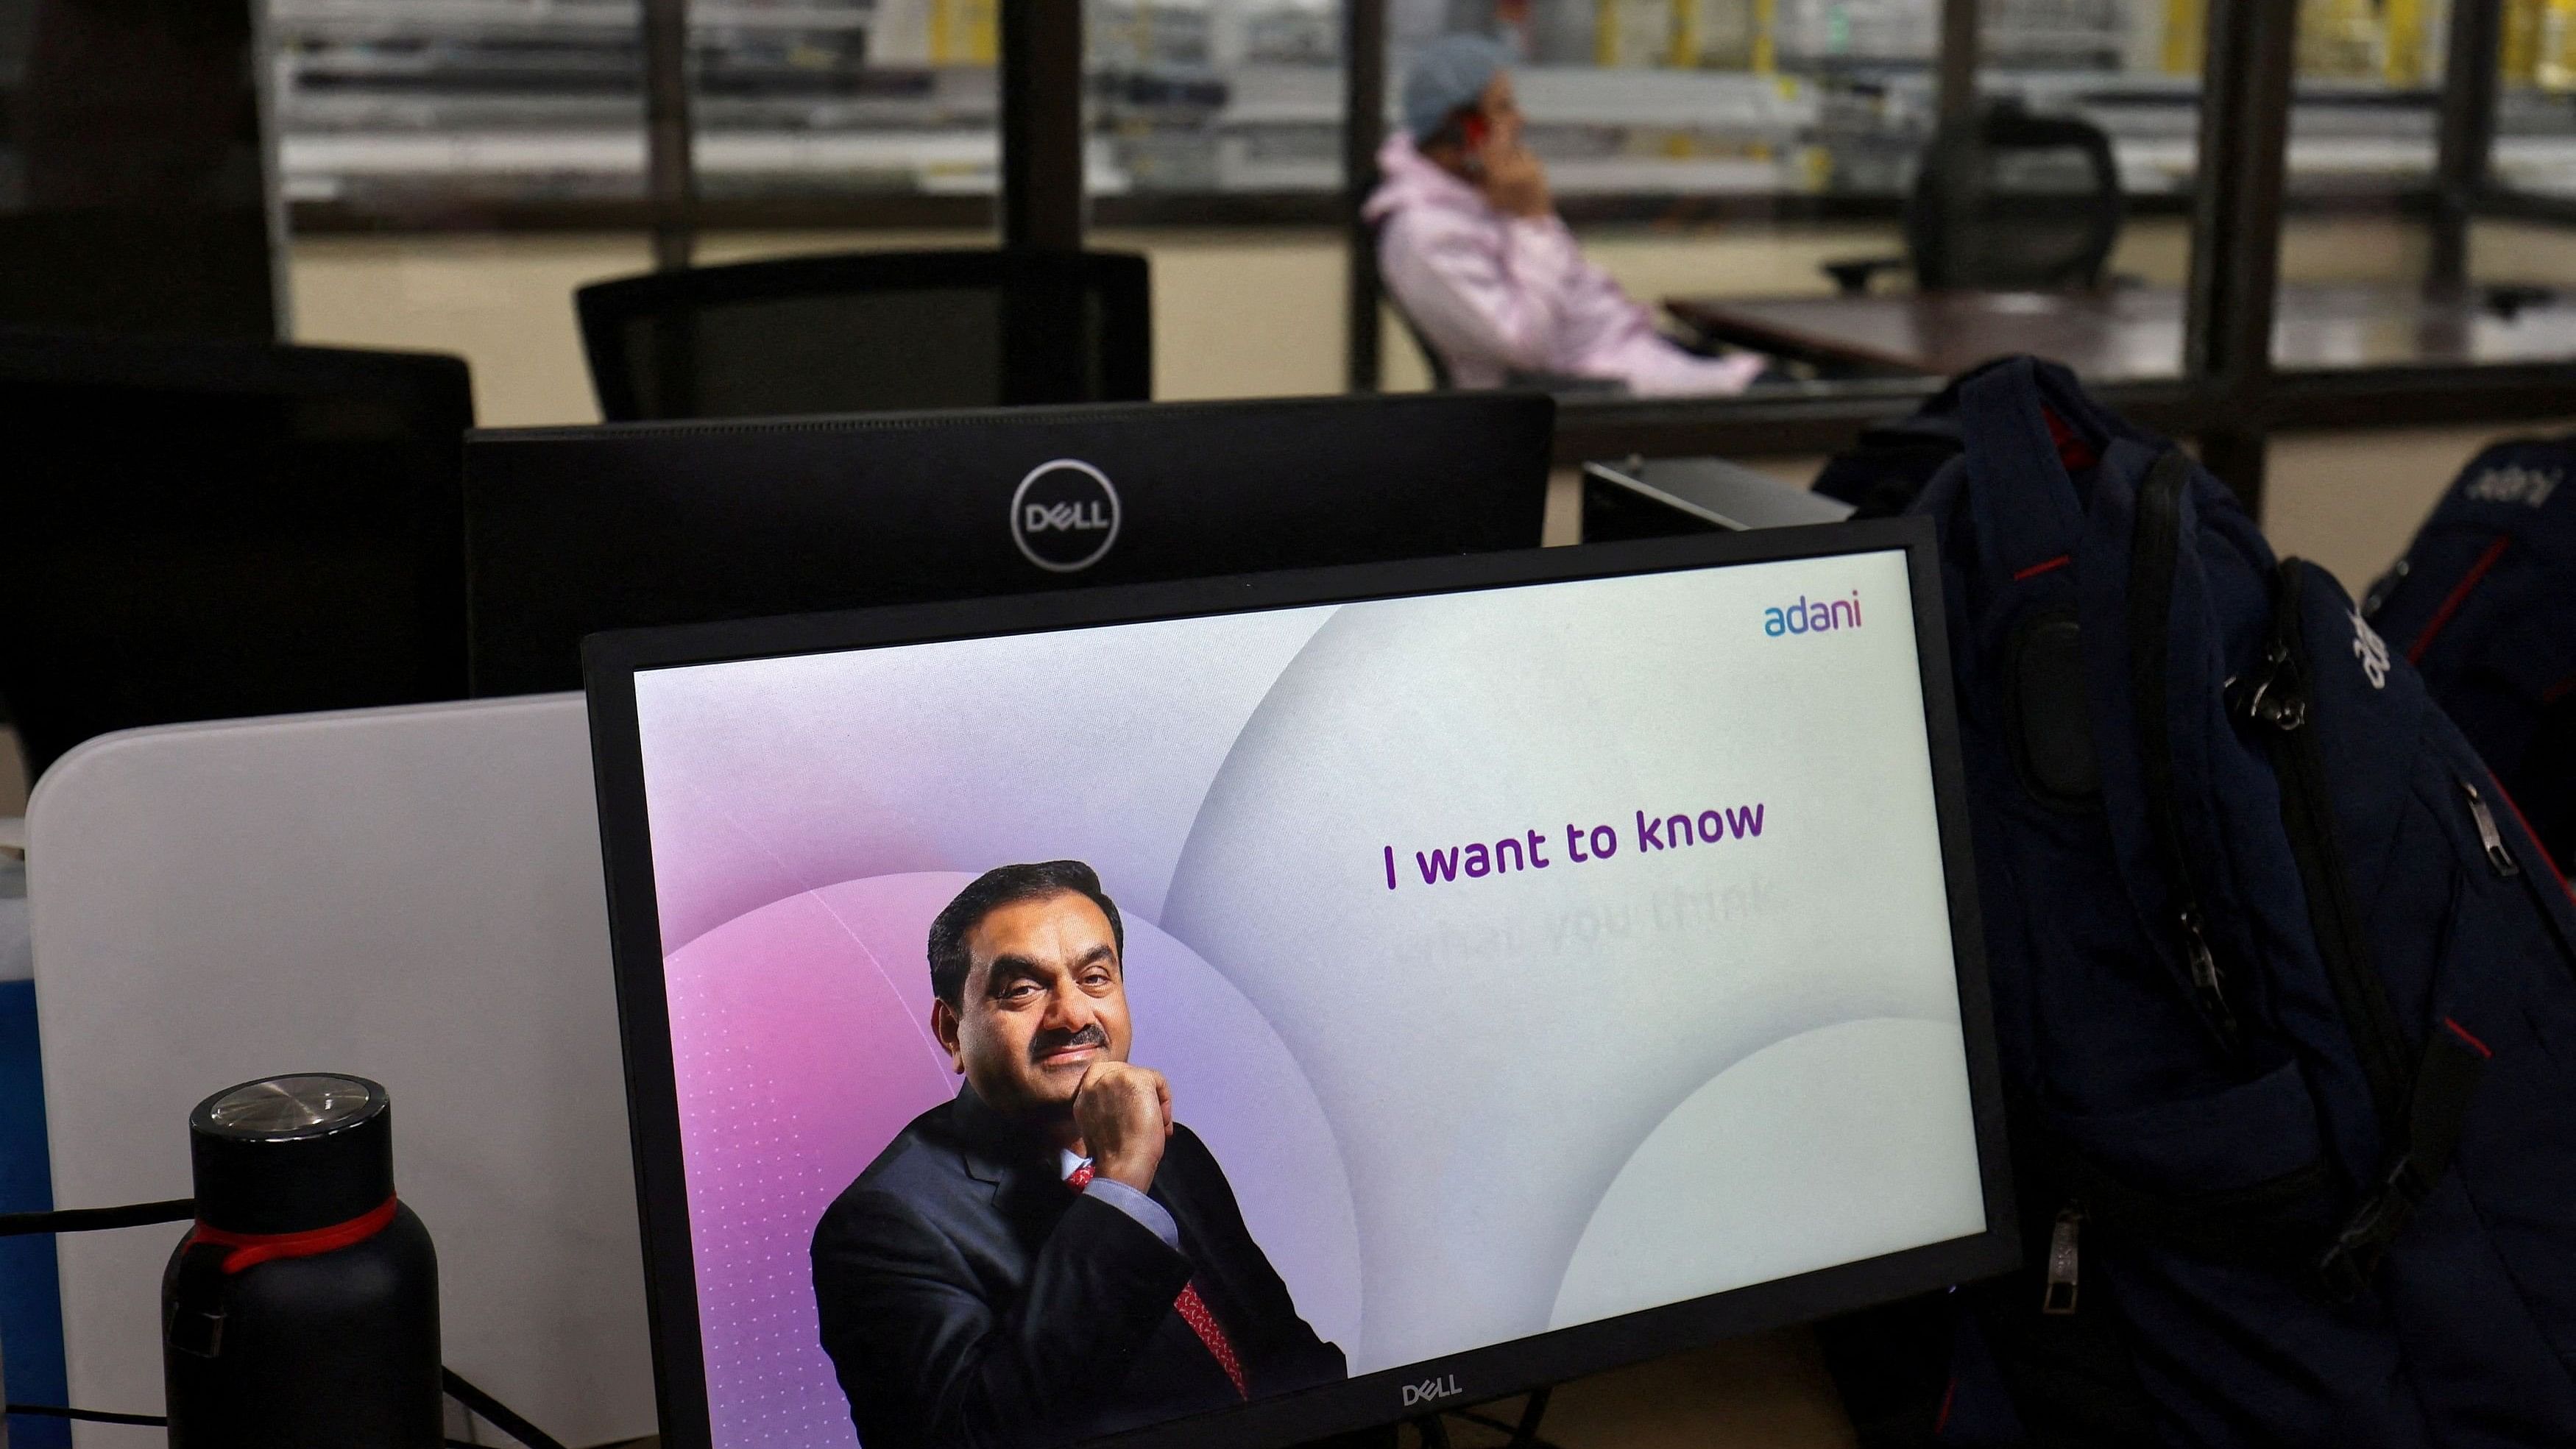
<point x="198" y="529"/>
<point x="138" y="168"/>
<point x="1484" y="925"/>
<point x="575" y="530"/>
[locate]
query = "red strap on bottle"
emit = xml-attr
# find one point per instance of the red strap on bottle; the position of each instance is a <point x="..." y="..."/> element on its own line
<point x="249" y="1250"/>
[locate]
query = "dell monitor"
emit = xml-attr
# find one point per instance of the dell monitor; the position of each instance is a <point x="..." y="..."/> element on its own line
<point x="202" y="529"/>
<point x="1231" y="1013"/>
<point x="575" y="530"/>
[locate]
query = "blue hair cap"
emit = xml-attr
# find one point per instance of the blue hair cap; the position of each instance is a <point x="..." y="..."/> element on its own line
<point x="1448" y="74"/>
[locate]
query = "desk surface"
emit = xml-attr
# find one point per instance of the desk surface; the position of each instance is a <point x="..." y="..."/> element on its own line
<point x="2129" y="333"/>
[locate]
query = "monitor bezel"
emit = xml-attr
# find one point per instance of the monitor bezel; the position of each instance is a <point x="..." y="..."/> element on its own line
<point x="612" y="661"/>
<point x="517" y="481"/>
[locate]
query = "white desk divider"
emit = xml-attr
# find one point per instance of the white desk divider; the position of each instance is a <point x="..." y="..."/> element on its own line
<point x="408" y="894"/>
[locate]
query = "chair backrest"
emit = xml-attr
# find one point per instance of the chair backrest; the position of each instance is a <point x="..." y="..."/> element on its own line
<point x="871" y="332"/>
<point x="1431" y="358"/>
<point x="1441" y="381"/>
<point x="2019" y="201"/>
<point x="200" y="529"/>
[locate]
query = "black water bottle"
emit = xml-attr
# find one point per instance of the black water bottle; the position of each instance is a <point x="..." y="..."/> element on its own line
<point x="301" y="1312"/>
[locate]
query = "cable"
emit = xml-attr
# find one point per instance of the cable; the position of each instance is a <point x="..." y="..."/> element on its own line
<point x="85" y="1220"/>
<point x="147" y="1421"/>
<point x="501" y="1415"/>
<point x="457" y="1388"/>
<point x="87" y="1416"/>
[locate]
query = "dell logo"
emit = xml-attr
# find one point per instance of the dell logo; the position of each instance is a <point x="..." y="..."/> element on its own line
<point x="1064" y="516"/>
<point x="1083" y="517"/>
<point x="1444" y="1387"/>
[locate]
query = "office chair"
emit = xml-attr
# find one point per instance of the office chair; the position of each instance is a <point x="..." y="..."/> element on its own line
<point x="1441" y="381"/>
<point x="202" y="529"/>
<point x="2023" y="202"/>
<point x="871" y="332"/>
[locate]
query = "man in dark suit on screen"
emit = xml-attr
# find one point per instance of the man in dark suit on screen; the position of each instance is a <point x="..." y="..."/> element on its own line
<point x="1047" y="1256"/>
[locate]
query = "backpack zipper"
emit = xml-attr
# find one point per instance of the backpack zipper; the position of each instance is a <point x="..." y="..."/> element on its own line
<point x="2152" y="561"/>
<point x="2546" y="890"/>
<point x="2499" y="859"/>
<point x="2057" y="1295"/>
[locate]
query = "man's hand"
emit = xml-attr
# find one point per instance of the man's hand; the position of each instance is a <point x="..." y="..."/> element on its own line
<point x="1124" y="1113"/>
<point x="1515" y="182"/>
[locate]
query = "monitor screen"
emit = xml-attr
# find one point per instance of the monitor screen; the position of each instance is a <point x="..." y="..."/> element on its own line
<point x="1247" y="1012"/>
<point x="570" y="531"/>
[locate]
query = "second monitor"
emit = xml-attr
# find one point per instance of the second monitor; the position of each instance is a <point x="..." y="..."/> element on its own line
<point x="570" y="531"/>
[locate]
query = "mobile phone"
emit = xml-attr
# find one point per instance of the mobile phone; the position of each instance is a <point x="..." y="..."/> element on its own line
<point x="1475" y="130"/>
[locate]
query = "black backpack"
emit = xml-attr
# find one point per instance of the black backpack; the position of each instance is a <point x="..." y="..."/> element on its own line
<point x="2285" y="998"/>
<point x="2483" y="604"/>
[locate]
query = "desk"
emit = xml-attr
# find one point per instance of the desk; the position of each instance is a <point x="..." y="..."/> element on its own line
<point x="2128" y="333"/>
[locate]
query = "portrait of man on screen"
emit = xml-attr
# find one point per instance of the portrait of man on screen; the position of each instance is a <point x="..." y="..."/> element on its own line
<point x="1050" y="1255"/>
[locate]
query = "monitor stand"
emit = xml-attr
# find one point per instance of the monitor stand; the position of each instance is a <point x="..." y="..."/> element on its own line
<point x="1432" y="1430"/>
<point x="1524" y="1434"/>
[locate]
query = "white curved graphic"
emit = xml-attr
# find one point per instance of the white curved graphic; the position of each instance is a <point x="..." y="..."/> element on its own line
<point x="775" y="776"/>
<point x="1492" y="1050"/>
<point x="1828" y="1147"/>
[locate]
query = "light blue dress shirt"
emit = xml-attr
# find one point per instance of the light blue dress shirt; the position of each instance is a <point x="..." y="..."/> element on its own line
<point x="1156" y="1218"/>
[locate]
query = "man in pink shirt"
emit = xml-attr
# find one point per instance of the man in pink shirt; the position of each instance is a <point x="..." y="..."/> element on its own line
<point x="1472" y="249"/>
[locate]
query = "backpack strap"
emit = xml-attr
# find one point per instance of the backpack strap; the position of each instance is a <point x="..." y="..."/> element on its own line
<point x="2445" y="1082"/>
<point x="2422" y="1098"/>
<point x="2422" y="1106"/>
<point x="2281" y="1221"/>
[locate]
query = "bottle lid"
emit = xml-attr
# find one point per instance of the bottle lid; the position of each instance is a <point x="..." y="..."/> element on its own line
<point x="291" y="1154"/>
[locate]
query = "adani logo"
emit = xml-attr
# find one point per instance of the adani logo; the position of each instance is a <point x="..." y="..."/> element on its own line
<point x="1812" y="616"/>
<point x="1064" y="515"/>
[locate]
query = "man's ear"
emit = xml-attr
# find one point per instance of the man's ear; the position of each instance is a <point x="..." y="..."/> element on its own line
<point x="943" y="1025"/>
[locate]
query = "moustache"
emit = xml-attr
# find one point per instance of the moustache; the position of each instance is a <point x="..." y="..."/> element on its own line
<point x="1046" y="1044"/>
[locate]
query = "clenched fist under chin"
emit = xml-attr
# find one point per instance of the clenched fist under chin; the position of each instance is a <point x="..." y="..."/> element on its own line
<point x="1124" y="1113"/>
<point x="1515" y="183"/>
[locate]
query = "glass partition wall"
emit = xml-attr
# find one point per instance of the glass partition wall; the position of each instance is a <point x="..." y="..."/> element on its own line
<point x="419" y="112"/>
<point x="2404" y="208"/>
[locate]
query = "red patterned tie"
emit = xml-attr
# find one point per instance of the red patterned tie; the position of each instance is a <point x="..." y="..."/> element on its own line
<point x="1192" y="1308"/>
